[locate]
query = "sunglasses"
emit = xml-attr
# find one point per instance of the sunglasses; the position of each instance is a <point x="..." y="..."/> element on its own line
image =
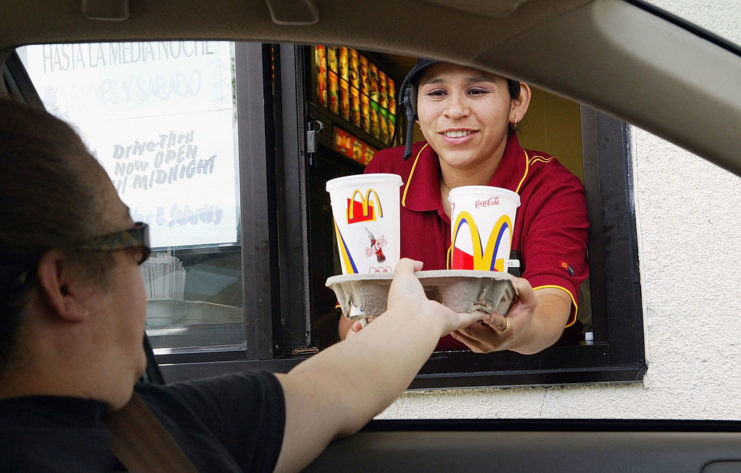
<point x="137" y="237"/>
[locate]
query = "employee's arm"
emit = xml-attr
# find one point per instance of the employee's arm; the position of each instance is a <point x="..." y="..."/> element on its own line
<point x="339" y="390"/>
<point x="536" y="321"/>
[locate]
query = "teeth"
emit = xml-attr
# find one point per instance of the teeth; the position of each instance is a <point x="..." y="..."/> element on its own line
<point x="457" y="133"/>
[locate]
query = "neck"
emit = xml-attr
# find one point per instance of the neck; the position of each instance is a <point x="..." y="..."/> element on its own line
<point x="455" y="178"/>
<point x="57" y="359"/>
<point x="480" y="175"/>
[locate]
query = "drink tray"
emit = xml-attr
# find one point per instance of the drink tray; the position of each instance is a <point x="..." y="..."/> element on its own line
<point x="364" y="295"/>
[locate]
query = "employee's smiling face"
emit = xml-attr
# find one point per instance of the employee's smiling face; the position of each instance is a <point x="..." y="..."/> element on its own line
<point x="464" y="114"/>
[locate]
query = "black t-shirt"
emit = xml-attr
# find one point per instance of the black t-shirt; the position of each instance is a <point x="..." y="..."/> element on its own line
<point x="230" y="423"/>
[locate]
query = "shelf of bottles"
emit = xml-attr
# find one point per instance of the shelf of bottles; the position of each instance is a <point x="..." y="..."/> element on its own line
<point x="359" y="92"/>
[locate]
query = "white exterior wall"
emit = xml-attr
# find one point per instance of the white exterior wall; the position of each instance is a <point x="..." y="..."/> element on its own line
<point x="689" y="236"/>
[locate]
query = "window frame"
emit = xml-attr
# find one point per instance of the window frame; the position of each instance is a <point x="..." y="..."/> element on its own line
<point x="617" y="353"/>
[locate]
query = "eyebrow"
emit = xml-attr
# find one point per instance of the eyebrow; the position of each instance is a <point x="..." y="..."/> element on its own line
<point x="469" y="80"/>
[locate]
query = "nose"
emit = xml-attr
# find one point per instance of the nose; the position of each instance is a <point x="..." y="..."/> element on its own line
<point x="456" y="106"/>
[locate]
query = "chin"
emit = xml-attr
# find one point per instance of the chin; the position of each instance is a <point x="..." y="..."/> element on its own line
<point x="120" y="400"/>
<point x="460" y="158"/>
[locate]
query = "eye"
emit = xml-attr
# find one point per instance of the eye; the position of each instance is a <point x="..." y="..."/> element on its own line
<point x="436" y="93"/>
<point x="477" y="91"/>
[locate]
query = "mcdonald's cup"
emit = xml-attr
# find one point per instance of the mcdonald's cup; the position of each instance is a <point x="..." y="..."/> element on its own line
<point x="482" y="220"/>
<point x="366" y="221"/>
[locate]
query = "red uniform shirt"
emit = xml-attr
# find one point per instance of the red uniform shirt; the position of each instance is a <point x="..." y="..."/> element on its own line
<point x="550" y="234"/>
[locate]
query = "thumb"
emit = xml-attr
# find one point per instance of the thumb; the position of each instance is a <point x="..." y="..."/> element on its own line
<point x="464" y="319"/>
<point x="407" y="265"/>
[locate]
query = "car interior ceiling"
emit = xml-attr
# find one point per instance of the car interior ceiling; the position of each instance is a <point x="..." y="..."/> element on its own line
<point x="514" y="44"/>
<point x="533" y="40"/>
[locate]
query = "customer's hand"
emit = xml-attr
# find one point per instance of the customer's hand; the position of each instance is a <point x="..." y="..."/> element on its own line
<point x="407" y="295"/>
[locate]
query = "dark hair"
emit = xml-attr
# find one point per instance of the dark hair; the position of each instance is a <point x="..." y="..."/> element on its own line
<point x="47" y="202"/>
<point x="415" y="74"/>
<point x="514" y="88"/>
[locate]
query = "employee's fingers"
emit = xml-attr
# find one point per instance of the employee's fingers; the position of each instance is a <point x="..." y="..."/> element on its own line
<point x="474" y="345"/>
<point x="496" y="321"/>
<point x="484" y="338"/>
<point x="356" y="327"/>
<point x="456" y="320"/>
<point x="467" y="319"/>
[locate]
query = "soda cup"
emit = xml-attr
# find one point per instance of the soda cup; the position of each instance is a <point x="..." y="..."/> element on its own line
<point x="365" y="208"/>
<point x="482" y="221"/>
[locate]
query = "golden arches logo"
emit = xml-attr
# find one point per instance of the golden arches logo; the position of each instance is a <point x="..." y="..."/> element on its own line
<point x="363" y="210"/>
<point x="484" y="258"/>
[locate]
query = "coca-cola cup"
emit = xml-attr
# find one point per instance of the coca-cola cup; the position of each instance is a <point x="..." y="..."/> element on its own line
<point x="482" y="219"/>
<point x="365" y="208"/>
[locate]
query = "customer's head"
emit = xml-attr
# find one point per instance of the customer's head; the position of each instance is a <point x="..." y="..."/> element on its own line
<point x="55" y="196"/>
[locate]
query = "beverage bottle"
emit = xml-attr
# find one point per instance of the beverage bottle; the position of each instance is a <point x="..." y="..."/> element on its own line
<point x="380" y="257"/>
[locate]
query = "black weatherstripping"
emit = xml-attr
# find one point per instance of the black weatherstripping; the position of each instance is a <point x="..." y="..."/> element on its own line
<point x="552" y="425"/>
<point x="18" y="82"/>
<point x="691" y="27"/>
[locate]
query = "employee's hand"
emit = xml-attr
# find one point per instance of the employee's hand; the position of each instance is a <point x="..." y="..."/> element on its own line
<point x="534" y="321"/>
<point x="357" y="326"/>
<point x="498" y="331"/>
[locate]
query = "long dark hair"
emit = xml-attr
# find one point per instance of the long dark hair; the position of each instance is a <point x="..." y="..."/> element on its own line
<point x="47" y="200"/>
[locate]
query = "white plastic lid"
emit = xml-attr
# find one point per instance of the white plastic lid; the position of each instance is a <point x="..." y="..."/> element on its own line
<point x="364" y="179"/>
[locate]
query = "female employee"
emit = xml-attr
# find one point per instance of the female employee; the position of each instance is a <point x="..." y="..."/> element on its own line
<point x="468" y="118"/>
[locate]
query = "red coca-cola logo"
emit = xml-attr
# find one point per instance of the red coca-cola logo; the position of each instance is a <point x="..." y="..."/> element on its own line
<point x="490" y="202"/>
<point x="376" y="246"/>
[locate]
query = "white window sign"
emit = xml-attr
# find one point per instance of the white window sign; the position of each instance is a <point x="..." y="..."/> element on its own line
<point x="160" y="118"/>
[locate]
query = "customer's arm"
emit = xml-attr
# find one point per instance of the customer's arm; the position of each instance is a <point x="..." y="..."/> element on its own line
<point x="339" y="390"/>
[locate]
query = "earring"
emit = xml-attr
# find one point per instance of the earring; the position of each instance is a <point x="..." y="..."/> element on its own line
<point x="514" y="123"/>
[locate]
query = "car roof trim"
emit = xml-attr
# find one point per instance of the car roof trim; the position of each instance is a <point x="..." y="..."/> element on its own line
<point x="490" y="8"/>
